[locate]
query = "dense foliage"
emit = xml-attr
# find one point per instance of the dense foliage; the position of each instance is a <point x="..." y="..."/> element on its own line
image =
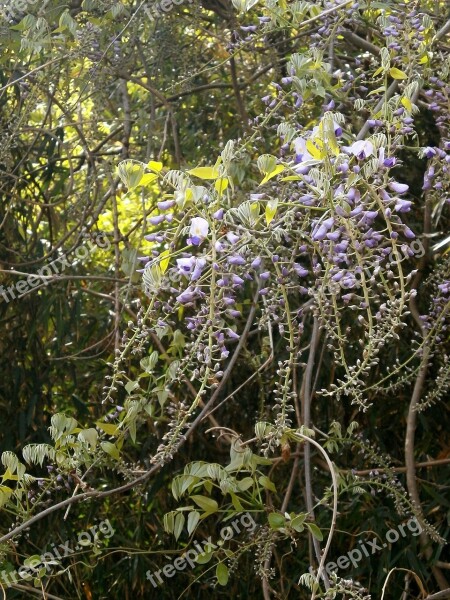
<point x="225" y="294"/>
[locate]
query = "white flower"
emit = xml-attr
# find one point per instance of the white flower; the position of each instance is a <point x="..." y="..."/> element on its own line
<point x="198" y="231"/>
<point x="301" y="152"/>
<point x="362" y="149"/>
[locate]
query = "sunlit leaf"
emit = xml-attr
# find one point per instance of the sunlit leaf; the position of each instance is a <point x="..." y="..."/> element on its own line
<point x="278" y="169"/>
<point x="315" y="151"/>
<point x="221" y="185"/>
<point x="164" y="260"/>
<point x="155" y="166"/>
<point x="148" y="178"/>
<point x="397" y="74"/>
<point x="406" y="103"/>
<point x="378" y="72"/>
<point x="205" y="172"/>
<point x="271" y="209"/>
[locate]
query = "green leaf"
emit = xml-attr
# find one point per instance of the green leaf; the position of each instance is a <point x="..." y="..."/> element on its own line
<point x="67" y="22"/>
<point x="26" y="23"/>
<point x="131" y="172"/>
<point x="130" y="386"/>
<point x="222" y="573"/>
<point x="129" y="263"/>
<point x="298" y="522"/>
<point x="207" y="504"/>
<point x="377" y="91"/>
<point x="108" y="428"/>
<point x="197" y="469"/>
<point x="148" y="363"/>
<point x="236" y="502"/>
<point x="276" y="520"/>
<point x="261" y="460"/>
<point x="266" y="483"/>
<point x="204" y="558"/>
<point x="111" y="449"/>
<point x="169" y="521"/>
<point x="90" y="436"/>
<point x="132" y="429"/>
<point x="10" y="460"/>
<point x="291" y="178"/>
<point x="187" y="481"/>
<point x="315" y="531"/>
<point x="179" y="524"/>
<point x="193" y="519"/>
<point x="244" y="484"/>
<point x="266" y="163"/>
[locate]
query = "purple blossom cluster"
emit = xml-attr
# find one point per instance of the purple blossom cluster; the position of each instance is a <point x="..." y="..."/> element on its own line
<point x="343" y="222"/>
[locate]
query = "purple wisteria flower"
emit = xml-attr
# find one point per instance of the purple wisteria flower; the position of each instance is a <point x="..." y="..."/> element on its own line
<point x="198" y="231"/>
<point x="157" y="219"/>
<point x="301" y="271"/>
<point x="189" y="295"/>
<point x="385" y="162"/>
<point x="398" y="188"/>
<point x="408" y="233"/>
<point x="191" y="266"/>
<point x="236" y="260"/>
<point x="232" y="334"/>
<point x="232" y="237"/>
<point x="402" y="205"/>
<point x="444" y="287"/>
<point x="166" y="204"/>
<point x="320" y="231"/>
<point x="429" y="152"/>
